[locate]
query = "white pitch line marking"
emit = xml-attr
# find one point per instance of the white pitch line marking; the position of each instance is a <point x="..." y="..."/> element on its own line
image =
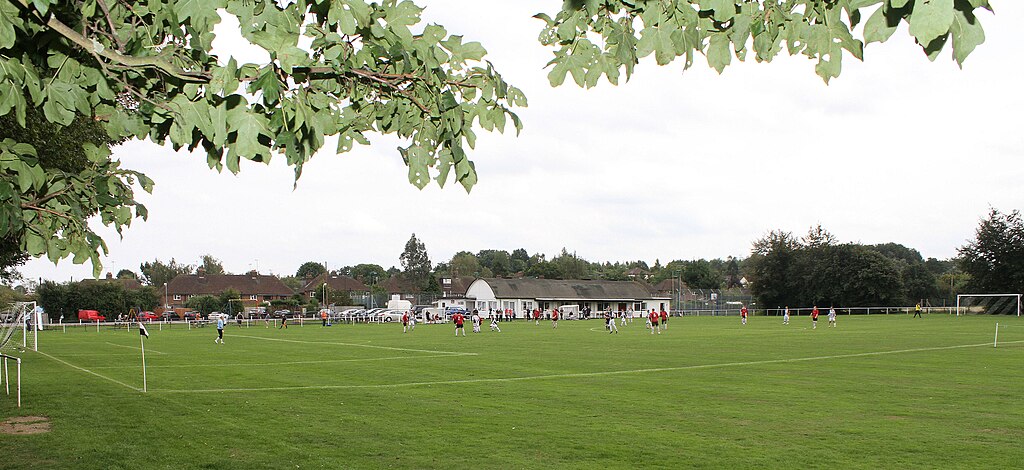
<point x="355" y="345"/>
<point x="580" y="374"/>
<point x="90" y="372"/>
<point x="133" y="347"/>
<point x="258" y="364"/>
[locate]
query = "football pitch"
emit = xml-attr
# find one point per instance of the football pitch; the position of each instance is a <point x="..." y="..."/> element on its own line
<point x="876" y="392"/>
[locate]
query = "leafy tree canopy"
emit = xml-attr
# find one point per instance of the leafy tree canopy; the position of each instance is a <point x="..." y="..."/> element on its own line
<point x="369" y="274"/>
<point x="994" y="260"/>
<point x="212" y="266"/>
<point x="416" y="264"/>
<point x="310" y="269"/>
<point x="126" y="274"/>
<point x="156" y="273"/>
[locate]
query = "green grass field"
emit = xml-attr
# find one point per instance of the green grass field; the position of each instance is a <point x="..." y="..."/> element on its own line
<point x="876" y="392"/>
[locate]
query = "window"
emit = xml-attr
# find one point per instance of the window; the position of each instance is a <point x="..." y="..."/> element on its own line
<point x="177" y="296"/>
<point x="446" y="281"/>
<point x="312" y="294"/>
<point x="252" y="297"/>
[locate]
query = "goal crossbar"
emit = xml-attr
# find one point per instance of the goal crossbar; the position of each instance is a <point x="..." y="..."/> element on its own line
<point x="1017" y="296"/>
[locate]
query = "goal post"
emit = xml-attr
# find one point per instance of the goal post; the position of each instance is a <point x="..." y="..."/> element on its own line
<point x="19" y="327"/>
<point x="15" y="322"/>
<point x="988" y="303"/>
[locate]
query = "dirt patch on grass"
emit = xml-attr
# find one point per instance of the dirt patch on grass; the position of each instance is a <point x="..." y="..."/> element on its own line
<point x="25" y="425"/>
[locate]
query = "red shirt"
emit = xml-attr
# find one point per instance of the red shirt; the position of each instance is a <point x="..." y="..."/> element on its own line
<point x="743" y="311"/>
<point x="814" y="313"/>
<point x="664" y="315"/>
<point x="458" y="318"/>
<point x="405" y="318"/>
<point x="554" y="315"/>
<point x="536" y="313"/>
<point x="653" y="316"/>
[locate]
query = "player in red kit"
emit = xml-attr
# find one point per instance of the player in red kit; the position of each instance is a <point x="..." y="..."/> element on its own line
<point x="814" y="317"/>
<point x="743" y="315"/>
<point x="459" y="323"/>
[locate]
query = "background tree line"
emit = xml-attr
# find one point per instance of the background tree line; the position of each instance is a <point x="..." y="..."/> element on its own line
<point x="783" y="270"/>
<point x="818" y="270"/>
<point x="109" y="298"/>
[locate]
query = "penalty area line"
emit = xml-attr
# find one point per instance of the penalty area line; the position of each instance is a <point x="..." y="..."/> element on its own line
<point x="580" y="374"/>
<point x="137" y="389"/>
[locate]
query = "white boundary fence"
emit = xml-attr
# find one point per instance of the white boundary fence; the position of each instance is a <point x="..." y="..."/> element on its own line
<point x="823" y="310"/>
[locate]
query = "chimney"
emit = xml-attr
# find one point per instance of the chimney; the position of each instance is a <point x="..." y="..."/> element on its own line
<point x="110" y="276"/>
<point x="201" y="272"/>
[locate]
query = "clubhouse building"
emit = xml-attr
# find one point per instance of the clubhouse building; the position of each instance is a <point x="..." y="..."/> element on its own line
<point x="523" y="295"/>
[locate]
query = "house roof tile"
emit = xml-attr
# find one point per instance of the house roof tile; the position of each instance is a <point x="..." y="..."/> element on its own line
<point x="336" y="283"/>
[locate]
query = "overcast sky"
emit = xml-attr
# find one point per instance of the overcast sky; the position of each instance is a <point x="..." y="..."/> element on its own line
<point x="672" y="165"/>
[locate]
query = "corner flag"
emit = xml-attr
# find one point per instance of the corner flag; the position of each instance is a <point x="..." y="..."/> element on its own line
<point x="142" y="330"/>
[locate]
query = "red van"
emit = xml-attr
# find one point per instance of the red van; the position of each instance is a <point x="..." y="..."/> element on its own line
<point x="90" y="315"/>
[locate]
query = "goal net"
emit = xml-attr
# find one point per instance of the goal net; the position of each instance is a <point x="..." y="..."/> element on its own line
<point x="18" y="324"/>
<point x="988" y="304"/>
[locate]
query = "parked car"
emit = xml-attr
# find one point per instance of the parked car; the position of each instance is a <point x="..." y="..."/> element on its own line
<point x="90" y="315"/>
<point x="144" y="316"/>
<point x="170" y="315"/>
<point x="390" y="315"/>
<point x="191" y="315"/>
<point x="213" y="316"/>
<point x="282" y="314"/>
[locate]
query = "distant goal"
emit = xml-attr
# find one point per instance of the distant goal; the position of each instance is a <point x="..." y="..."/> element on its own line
<point x="988" y="304"/>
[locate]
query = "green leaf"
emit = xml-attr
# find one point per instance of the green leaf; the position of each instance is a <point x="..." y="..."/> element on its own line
<point x="878" y="28"/>
<point x="343" y="17"/>
<point x="34" y="244"/>
<point x="202" y="14"/>
<point x="8" y="20"/>
<point x="931" y="19"/>
<point x="719" y="55"/>
<point x="967" y="34"/>
<point x="724" y="9"/>
<point x="43" y="6"/>
<point x="247" y="128"/>
<point x="418" y="160"/>
<point x="268" y="84"/>
<point x="225" y="79"/>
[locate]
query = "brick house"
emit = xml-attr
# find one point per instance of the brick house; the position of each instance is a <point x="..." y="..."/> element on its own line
<point x="254" y="288"/>
<point x="336" y="283"/>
